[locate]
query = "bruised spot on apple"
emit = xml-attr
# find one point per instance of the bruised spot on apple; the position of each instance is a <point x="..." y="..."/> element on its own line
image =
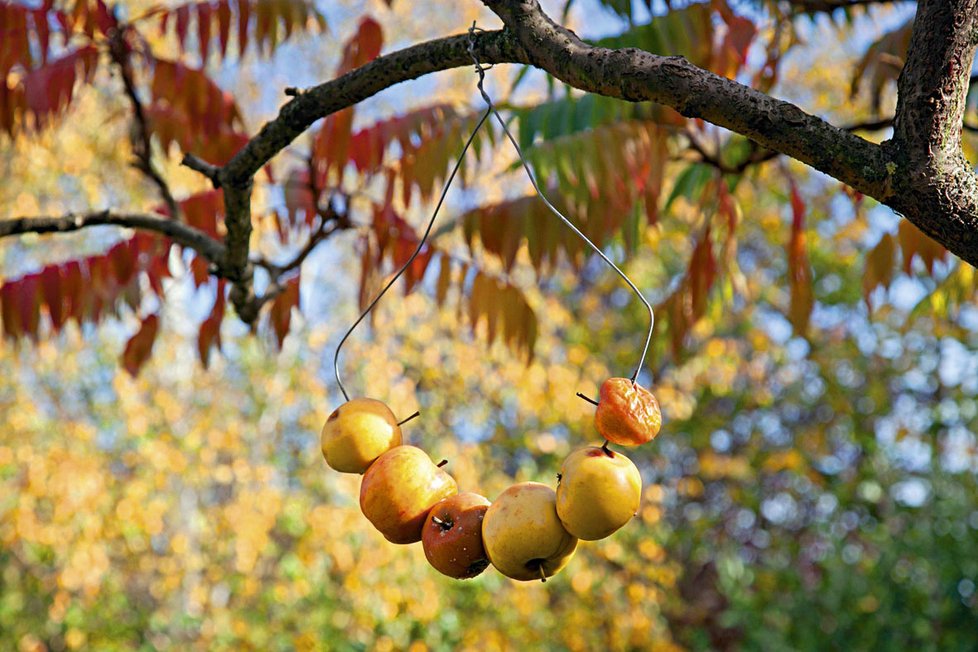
<point x="599" y="491"/>
<point x="357" y="433"/>
<point x="398" y="491"/>
<point x="452" y="535"/>
<point x="523" y="536"/>
<point x="627" y="413"/>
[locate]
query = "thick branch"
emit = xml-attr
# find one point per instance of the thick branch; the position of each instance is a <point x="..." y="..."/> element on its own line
<point x="934" y="82"/>
<point x="934" y="185"/>
<point x="178" y="232"/>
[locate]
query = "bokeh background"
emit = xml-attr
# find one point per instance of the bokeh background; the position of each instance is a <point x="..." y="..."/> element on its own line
<point x="812" y="491"/>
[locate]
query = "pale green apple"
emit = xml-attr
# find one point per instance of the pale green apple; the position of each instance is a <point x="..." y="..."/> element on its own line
<point x="599" y="492"/>
<point x="523" y="536"/>
<point x="398" y="491"/>
<point x="357" y="433"/>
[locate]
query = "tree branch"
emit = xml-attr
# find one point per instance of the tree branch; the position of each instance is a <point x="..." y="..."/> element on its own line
<point x="178" y="232"/>
<point x="938" y="193"/>
<point x="309" y="105"/>
<point x="197" y="164"/>
<point x="636" y="75"/>
<point x="934" y="185"/>
<point x="828" y="6"/>
<point x="140" y="136"/>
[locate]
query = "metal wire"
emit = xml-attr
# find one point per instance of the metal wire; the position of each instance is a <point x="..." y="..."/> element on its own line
<point x="485" y="96"/>
<point x="490" y="110"/>
<point x="424" y="238"/>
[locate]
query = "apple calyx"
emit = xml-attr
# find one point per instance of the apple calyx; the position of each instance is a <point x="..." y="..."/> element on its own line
<point x="537" y="564"/>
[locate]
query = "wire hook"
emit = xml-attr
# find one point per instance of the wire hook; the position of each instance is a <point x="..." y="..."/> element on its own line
<point x="529" y="173"/>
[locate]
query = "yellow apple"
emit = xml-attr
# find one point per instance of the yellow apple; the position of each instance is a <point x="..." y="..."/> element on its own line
<point x="398" y="491"/>
<point x="627" y="413"/>
<point x="357" y="433"/>
<point x="452" y="536"/>
<point x="599" y="492"/>
<point x="523" y="536"/>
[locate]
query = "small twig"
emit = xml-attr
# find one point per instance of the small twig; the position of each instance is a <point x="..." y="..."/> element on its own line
<point x="197" y="164"/>
<point x="141" y="143"/>
<point x="413" y="416"/>
<point x="180" y="233"/>
<point x="587" y="398"/>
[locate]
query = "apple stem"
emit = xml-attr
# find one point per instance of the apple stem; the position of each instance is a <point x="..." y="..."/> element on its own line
<point x="587" y="398"/>
<point x="607" y="451"/>
<point x="444" y="525"/>
<point x="442" y="463"/>
<point x="543" y="576"/>
<point x="413" y="416"/>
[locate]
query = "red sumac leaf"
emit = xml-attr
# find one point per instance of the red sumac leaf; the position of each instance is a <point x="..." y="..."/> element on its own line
<point x="802" y="298"/>
<point x="104" y="19"/>
<point x="200" y="270"/>
<point x="183" y="23"/>
<point x="223" y="26"/>
<point x="140" y="346"/>
<point x="52" y="294"/>
<point x="210" y="330"/>
<point x="9" y="309"/>
<point x="879" y="266"/>
<point x="444" y="280"/>
<point x="281" y="312"/>
<point x="363" y="47"/>
<point x="73" y="286"/>
<point x="204" y="29"/>
<point x="916" y="243"/>
<point x="28" y="300"/>
<point x="123" y="262"/>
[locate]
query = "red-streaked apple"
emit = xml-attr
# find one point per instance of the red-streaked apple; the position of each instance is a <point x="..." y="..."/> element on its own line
<point x="523" y="536"/>
<point x="357" y="433"/>
<point x="599" y="491"/>
<point x="452" y="535"/>
<point x="398" y="491"/>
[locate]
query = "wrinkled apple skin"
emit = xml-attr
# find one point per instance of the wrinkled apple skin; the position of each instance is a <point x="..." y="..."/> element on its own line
<point x="627" y="413"/>
<point x="522" y="533"/>
<point x="453" y="542"/>
<point x="357" y="433"/>
<point x="599" y="492"/>
<point x="399" y="489"/>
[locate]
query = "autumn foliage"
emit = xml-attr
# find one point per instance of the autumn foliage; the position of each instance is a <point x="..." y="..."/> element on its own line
<point x="160" y="487"/>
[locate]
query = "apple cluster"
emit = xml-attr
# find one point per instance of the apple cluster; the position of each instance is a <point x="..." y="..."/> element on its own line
<point x="530" y="531"/>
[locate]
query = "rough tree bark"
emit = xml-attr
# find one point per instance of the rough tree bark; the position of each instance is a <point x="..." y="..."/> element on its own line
<point x="921" y="172"/>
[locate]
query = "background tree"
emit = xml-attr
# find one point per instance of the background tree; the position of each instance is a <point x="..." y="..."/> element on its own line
<point x="814" y="353"/>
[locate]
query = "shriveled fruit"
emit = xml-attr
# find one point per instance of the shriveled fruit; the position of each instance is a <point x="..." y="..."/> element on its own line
<point x="600" y="490"/>
<point x="627" y="413"/>
<point x="452" y="535"/>
<point x="398" y="491"/>
<point x="357" y="433"/>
